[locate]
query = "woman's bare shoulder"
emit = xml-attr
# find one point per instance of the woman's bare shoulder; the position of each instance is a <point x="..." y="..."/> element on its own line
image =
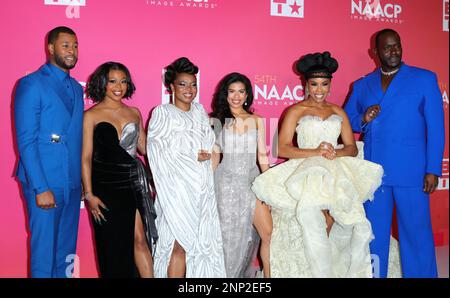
<point x="337" y="109"/>
<point x="297" y="109"/>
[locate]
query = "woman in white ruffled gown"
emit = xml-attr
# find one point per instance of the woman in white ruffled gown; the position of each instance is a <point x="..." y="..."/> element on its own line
<point x="179" y="144"/>
<point x="319" y="224"/>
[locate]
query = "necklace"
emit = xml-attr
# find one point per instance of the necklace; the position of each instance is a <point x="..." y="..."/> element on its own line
<point x="389" y="73"/>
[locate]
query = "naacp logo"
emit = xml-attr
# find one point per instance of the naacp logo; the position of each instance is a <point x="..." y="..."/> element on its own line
<point x="445" y="15"/>
<point x="165" y="95"/>
<point x="270" y="91"/>
<point x="376" y="10"/>
<point x="199" y="4"/>
<point x="287" y="8"/>
<point x="443" y="180"/>
<point x="444" y="87"/>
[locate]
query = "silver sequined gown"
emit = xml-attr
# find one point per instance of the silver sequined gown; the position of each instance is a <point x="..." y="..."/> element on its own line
<point x="236" y="201"/>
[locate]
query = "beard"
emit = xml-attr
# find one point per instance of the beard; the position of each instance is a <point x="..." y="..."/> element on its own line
<point x="62" y="63"/>
<point x="393" y="62"/>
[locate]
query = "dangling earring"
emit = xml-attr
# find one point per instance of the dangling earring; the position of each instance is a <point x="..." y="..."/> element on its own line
<point x="306" y="93"/>
<point x="245" y="103"/>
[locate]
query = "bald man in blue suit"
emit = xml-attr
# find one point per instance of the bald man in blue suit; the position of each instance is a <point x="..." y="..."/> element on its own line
<point x="48" y="117"/>
<point x="399" y="109"/>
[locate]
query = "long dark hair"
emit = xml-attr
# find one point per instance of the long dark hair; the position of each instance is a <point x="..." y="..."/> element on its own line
<point x="220" y="107"/>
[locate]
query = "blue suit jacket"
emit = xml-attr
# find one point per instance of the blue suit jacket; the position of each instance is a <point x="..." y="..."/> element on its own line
<point x="39" y="112"/>
<point x="407" y="138"/>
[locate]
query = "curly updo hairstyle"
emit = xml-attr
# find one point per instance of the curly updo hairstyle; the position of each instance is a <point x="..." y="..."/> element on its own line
<point x="181" y="65"/>
<point x="317" y="65"/>
<point x="96" y="86"/>
<point x="220" y="106"/>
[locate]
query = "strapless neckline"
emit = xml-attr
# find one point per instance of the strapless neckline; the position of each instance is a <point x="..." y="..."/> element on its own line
<point x="312" y="130"/>
<point x="315" y="117"/>
<point x="119" y="136"/>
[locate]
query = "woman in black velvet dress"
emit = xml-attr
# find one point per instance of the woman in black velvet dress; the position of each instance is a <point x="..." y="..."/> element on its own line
<point x="115" y="181"/>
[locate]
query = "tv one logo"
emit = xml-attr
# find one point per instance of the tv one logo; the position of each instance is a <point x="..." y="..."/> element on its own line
<point x="166" y="95"/>
<point x="287" y="8"/>
<point x="66" y="2"/>
<point x="72" y="9"/>
<point x="376" y="10"/>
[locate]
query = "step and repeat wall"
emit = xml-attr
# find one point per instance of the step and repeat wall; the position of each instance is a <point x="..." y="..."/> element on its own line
<point x="260" y="38"/>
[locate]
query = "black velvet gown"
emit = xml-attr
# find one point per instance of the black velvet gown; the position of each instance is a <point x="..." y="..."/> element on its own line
<point x="120" y="180"/>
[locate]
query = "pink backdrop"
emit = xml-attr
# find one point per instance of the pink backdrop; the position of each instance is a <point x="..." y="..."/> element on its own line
<point x="220" y="36"/>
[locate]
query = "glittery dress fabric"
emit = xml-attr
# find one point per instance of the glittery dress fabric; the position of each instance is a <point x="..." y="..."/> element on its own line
<point x="236" y="202"/>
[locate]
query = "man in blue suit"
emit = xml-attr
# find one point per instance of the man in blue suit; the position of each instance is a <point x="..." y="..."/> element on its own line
<point x="48" y="117"/>
<point x="399" y="109"/>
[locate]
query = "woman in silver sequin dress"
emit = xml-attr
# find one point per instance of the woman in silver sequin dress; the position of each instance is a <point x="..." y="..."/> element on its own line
<point x="242" y="143"/>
